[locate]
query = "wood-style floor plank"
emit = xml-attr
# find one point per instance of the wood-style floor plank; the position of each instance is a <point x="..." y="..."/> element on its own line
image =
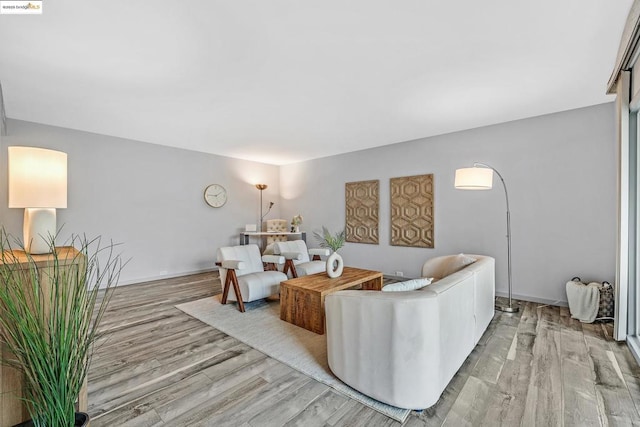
<point x="611" y="388"/>
<point x="471" y="405"/>
<point x="290" y="405"/>
<point x="317" y="413"/>
<point x="160" y="367"/>
<point x="508" y="404"/>
<point x="544" y="397"/>
<point x="578" y="380"/>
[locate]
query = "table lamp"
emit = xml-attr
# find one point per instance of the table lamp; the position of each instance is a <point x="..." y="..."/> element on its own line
<point x="38" y="183"/>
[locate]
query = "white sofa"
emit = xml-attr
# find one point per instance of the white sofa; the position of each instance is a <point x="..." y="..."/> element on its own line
<point x="403" y="348"/>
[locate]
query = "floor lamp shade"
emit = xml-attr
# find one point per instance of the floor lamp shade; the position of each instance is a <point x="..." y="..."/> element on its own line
<point x="37" y="183"/>
<point x="474" y="179"/>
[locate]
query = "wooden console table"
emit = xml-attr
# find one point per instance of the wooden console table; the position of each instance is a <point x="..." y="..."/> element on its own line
<point x="12" y="410"/>
<point x="246" y="235"/>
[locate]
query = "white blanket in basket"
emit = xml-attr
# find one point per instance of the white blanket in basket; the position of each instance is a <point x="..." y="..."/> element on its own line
<point x="584" y="300"/>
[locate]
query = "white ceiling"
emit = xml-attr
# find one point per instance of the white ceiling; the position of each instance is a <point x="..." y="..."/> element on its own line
<point x="280" y="81"/>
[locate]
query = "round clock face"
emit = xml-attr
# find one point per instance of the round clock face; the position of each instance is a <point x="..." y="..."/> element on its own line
<point x="215" y="195"/>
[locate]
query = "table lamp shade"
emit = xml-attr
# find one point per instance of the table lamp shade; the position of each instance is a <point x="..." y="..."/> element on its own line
<point x="37" y="178"/>
<point x="474" y="179"/>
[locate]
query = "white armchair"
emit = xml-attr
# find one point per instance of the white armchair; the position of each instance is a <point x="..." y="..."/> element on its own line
<point x="242" y="267"/>
<point x="297" y="259"/>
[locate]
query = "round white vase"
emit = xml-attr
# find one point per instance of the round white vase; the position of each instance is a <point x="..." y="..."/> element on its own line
<point x="335" y="265"/>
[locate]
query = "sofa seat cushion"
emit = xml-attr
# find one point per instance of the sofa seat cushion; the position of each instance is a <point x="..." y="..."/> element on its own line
<point x="255" y="286"/>
<point x="311" y="267"/>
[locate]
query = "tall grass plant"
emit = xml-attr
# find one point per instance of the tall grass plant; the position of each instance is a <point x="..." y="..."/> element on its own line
<point x="49" y="316"/>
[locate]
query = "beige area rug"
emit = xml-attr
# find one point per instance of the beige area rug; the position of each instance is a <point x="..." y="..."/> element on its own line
<point x="261" y="328"/>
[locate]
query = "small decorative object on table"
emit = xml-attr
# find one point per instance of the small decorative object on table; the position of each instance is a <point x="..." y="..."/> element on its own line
<point x="335" y="264"/>
<point x="295" y="223"/>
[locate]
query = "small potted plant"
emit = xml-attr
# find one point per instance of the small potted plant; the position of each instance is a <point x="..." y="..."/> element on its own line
<point x="50" y="310"/>
<point x="295" y="223"/>
<point x="335" y="264"/>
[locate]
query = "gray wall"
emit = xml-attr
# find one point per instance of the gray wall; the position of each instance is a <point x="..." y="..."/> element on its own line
<point x="559" y="169"/>
<point x="560" y="173"/>
<point x="148" y="197"/>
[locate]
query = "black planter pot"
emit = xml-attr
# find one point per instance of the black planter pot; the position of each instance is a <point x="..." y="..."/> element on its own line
<point x="82" y="420"/>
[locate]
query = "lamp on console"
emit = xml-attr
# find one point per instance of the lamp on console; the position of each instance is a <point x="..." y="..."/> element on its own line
<point x="37" y="183"/>
<point x="480" y="177"/>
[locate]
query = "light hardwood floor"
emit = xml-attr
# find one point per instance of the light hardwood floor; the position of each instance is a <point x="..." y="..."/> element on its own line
<point x="160" y="367"/>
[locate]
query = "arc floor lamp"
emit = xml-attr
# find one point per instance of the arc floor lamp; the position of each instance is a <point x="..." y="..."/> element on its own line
<point x="480" y="177"/>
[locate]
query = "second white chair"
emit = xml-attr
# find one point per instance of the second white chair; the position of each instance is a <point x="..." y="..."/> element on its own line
<point x="297" y="259"/>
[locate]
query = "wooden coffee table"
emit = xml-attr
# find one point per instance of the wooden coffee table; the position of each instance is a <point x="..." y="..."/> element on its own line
<point x="302" y="299"/>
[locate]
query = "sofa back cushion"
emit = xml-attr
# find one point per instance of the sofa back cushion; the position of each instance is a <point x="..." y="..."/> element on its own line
<point x="445" y="265"/>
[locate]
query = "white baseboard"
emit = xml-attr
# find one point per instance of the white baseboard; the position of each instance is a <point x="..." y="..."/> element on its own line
<point x="562" y="303"/>
<point x="164" y="276"/>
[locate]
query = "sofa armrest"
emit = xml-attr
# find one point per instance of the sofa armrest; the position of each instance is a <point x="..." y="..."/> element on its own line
<point x="320" y="251"/>
<point x="394" y="334"/>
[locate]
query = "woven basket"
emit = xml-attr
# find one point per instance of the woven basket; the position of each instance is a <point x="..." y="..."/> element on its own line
<point x="607" y="301"/>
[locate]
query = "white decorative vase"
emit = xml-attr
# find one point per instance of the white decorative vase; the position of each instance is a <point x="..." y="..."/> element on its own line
<point x="335" y="265"/>
<point x="296" y="229"/>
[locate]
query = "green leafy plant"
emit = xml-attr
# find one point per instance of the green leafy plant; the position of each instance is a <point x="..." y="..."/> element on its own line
<point x="50" y="310"/>
<point x="328" y="240"/>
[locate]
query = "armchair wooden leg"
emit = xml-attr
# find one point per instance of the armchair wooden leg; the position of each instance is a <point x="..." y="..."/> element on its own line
<point x="227" y="283"/>
<point x="290" y="266"/>
<point x="316" y="258"/>
<point x="232" y="279"/>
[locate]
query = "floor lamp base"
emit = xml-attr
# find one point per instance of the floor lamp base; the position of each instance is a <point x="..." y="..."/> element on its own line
<point x="507" y="309"/>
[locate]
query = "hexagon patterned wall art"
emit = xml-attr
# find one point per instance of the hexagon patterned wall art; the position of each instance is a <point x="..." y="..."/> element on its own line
<point x="362" y="203"/>
<point x="412" y="211"/>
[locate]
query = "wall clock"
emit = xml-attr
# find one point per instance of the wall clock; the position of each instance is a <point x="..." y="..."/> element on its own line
<point x="215" y="195"/>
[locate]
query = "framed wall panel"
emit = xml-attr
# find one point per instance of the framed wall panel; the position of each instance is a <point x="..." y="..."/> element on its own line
<point x="362" y="203"/>
<point x="412" y="211"/>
